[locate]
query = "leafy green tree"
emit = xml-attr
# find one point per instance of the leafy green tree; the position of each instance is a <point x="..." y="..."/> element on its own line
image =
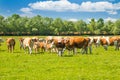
<point x="47" y="26"/>
<point x="2" y="23"/>
<point x="99" y="26"/>
<point x="80" y="26"/>
<point x="116" y="29"/>
<point x="108" y="27"/>
<point x="58" y="24"/>
<point x="12" y="22"/>
<point x="92" y="26"/>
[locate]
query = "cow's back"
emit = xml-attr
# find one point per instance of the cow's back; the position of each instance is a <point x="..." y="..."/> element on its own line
<point x="27" y="42"/>
<point x="79" y="42"/>
<point x="10" y="42"/>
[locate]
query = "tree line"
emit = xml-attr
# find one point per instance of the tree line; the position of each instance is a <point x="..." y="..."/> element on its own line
<point x="38" y="25"/>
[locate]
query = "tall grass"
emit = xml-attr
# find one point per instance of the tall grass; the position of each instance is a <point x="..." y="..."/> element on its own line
<point x="100" y="65"/>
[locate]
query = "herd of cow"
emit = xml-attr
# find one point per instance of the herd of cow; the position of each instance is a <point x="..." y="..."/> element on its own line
<point x="60" y="44"/>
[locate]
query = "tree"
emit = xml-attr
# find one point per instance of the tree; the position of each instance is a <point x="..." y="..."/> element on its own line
<point x="116" y="29"/>
<point x="99" y="26"/>
<point x="57" y="24"/>
<point x="80" y="26"/>
<point x="2" y="23"/>
<point x="108" y="27"/>
<point x="11" y="24"/>
<point x="92" y="25"/>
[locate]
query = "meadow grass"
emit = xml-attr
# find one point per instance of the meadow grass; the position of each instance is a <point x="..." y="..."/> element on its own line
<point x="100" y="65"/>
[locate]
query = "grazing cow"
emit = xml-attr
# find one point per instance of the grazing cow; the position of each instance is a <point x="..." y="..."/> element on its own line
<point x="69" y="45"/>
<point x="90" y="42"/>
<point x="28" y="43"/>
<point x="42" y="40"/>
<point x="96" y="41"/>
<point x="10" y="44"/>
<point x="39" y="45"/>
<point x="110" y="41"/>
<point x="51" y="47"/>
<point x="77" y="42"/>
<point x="21" y="42"/>
<point x="35" y="39"/>
<point x="118" y="43"/>
<point x="49" y="39"/>
<point x="59" y="44"/>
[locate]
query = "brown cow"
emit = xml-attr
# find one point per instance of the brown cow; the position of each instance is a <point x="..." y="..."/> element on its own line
<point x="28" y="43"/>
<point x="96" y="41"/>
<point x="110" y="41"/>
<point x="10" y="44"/>
<point x="77" y="42"/>
<point x="49" y="39"/>
<point x="59" y="44"/>
<point x="21" y="42"/>
<point x="51" y="47"/>
<point x="35" y="39"/>
<point x="39" y="45"/>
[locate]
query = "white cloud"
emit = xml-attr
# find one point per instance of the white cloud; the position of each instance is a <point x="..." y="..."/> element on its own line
<point x="28" y="14"/>
<point x="65" y="5"/>
<point x="73" y="19"/>
<point x="111" y="19"/>
<point x="62" y="5"/>
<point x="26" y="10"/>
<point x="96" y="6"/>
<point x="102" y="6"/>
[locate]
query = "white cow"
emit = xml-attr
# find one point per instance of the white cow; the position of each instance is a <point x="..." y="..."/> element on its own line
<point x="28" y="43"/>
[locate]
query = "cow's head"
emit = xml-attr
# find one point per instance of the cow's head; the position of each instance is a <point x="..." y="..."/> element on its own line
<point x="35" y="39"/>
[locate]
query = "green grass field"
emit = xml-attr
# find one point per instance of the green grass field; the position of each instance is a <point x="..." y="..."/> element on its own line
<point x="100" y="65"/>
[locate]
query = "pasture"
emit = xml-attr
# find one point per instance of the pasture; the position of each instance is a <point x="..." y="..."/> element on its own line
<point x="100" y="65"/>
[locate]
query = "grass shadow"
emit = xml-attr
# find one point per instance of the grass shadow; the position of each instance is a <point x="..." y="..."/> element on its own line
<point x="2" y="50"/>
<point x="67" y="56"/>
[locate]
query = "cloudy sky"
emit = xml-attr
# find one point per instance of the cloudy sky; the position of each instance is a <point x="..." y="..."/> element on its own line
<point x="65" y="9"/>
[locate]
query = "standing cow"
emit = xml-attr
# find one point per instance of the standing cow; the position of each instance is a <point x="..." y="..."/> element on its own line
<point x="10" y="44"/>
<point x="21" y="42"/>
<point x="110" y="41"/>
<point x="28" y="43"/>
<point x="39" y="45"/>
<point x="77" y="42"/>
<point x="59" y="45"/>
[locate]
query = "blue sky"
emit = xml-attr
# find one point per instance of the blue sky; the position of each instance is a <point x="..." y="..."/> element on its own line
<point x="65" y="9"/>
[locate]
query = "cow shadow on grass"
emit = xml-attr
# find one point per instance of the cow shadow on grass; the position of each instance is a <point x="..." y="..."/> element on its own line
<point x="67" y="56"/>
<point x="2" y="50"/>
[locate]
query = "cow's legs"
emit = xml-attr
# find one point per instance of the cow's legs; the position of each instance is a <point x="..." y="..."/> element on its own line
<point x="25" y="49"/>
<point x="74" y="51"/>
<point x="116" y="45"/>
<point x="86" y="50"/>
<point x="12" y="48"/>
<point x="105" y="47"/>
<point x="60" y="51"/>
<point x="90" y="49"/>
<point x="30" y="50"/>
<point x="8" y="48"/>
